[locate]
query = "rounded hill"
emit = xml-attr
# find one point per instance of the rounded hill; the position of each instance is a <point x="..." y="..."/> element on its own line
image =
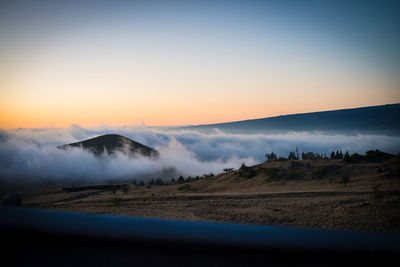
<point x="111" y="143"/>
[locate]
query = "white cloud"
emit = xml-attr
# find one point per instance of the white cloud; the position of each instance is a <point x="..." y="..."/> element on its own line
<point x="31" y="155"/>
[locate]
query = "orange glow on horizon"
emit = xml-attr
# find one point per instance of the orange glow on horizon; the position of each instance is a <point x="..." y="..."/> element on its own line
<point x="20" y="118"/>
<point x="58" y="101"/>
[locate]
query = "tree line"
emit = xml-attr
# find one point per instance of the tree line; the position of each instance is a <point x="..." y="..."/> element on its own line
<point x="179" y="180"/>
<point x="370" y="156"/>
<point x="295" y="155"/>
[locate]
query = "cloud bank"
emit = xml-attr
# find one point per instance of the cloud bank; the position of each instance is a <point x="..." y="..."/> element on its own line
<point x="30" y="156"/>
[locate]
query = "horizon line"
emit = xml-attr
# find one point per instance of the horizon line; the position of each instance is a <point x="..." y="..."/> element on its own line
<point x="143" y="124"/>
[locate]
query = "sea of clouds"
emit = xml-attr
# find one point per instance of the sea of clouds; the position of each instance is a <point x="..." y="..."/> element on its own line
<point x="31" y="156"/>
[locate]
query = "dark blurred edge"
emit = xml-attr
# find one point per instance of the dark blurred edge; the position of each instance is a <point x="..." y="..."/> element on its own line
<point x="53" y="238"/>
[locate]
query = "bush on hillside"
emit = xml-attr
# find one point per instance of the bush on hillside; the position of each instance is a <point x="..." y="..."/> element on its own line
<point x="246" y="172"/>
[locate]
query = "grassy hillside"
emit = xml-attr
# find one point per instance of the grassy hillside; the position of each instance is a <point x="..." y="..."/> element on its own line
<point x="322" y="193"/>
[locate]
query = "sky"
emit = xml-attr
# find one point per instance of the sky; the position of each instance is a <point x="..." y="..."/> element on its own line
<point x="192" y="62"/>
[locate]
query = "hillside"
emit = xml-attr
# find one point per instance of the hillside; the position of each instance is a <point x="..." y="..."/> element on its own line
<point x="383" y="119"/>
<point x="110" y="143"/>
<point x="325" y="193"/>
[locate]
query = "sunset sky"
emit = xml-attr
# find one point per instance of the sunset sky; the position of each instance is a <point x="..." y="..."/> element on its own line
<point x="127" y="62"/>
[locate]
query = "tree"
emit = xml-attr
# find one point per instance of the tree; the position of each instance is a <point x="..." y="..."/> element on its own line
<point x="141" y="183"/>
<point x="339" y="154"/>
<point x="308" y="156"/>
<point x="292" y="156"/>
<point x="159" y="181"/>
<point x="208" y="175"/>
<point x="151" y="182"/>
<point x="180" y="180"/>
<point x="271" y="157"/>
<point x="347" y="157"/>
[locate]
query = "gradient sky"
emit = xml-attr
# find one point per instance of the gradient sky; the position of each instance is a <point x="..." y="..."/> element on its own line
<point x="128" y="62"/>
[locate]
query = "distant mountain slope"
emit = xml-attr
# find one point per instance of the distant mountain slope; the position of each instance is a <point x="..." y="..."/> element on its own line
<point x="383" y="119"/>
<point x="110" y="143"/>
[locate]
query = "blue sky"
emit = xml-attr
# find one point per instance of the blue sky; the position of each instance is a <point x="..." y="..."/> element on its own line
<point x="193" y="61"/>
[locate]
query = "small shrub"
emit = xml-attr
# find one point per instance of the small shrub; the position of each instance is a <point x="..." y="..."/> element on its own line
<point x="345" y="180"/>
<point x="270" y="179"/>
<point x="325" y="171"/>
<point x="376" y="193"/>
<point x="246" y="172"/>
<point x="125" y="190"/>
<point x="116" y="201"/>
<point x="295" y="165"/>
<point x="274" y="174"/>
<point x="185" y="187"/>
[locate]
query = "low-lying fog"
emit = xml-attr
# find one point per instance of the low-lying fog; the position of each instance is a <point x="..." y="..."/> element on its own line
<point x="31" y="156"/>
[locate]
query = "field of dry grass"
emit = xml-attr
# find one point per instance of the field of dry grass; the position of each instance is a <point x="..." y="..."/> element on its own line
<point x="287" y="193"/>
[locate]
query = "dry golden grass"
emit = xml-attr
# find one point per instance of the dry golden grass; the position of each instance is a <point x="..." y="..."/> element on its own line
<point x="290" y="193"/>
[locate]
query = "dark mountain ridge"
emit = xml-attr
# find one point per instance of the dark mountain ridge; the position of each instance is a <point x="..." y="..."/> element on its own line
<point x="111" y="143"/>
<point x="384" y="119"/>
